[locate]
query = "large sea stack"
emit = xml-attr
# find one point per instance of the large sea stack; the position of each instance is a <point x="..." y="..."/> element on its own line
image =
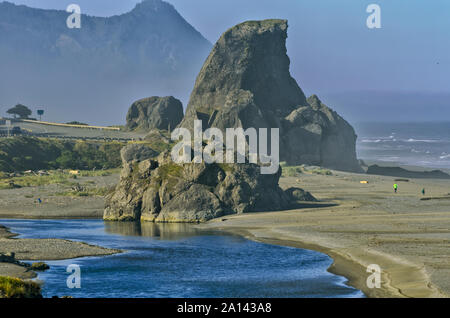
<point x="245" y="82"/>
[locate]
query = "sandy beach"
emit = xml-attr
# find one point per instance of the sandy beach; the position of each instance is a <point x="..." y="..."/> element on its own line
<point x="22" y="203"/>
<point x="407" y="237"/>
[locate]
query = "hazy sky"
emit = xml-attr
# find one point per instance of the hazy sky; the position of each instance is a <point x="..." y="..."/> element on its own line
<point x="333" y="54"/>
<point x="331" y="48"/>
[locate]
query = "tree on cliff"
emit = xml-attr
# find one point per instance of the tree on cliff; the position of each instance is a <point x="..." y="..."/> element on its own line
<point x="20" y="110"/>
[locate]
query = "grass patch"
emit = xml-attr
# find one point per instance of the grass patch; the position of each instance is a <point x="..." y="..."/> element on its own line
<point x="296" y="171"/>
<point x="171" y="169"/>
<point x="17" y="288"/>
<point x="39" y="266"/>
<point x="293" y="171"/>
<point x="34" y="181"/>
<point x="170" y="173"/>
<point x="99" y="173"/>
<point x="54" y="177"/>
<point x="157" y="145"/>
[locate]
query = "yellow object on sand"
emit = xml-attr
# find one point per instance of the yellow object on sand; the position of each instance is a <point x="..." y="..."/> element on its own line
<point x="74" y="172"/>
<point x="364" y="182"/>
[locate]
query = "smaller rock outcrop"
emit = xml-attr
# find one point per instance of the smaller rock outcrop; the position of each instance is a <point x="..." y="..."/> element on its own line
<point x="297" y="194"/>
<point x="317" y="135"/>
<point x="155" y="113"/>
<point x="158" y="190"/>
<point x="137" y="152"/>
<point x="403" y="173"/>
<point x="8" y="258"/>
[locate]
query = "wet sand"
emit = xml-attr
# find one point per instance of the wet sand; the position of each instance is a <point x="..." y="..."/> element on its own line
<point x="407" y="237"/>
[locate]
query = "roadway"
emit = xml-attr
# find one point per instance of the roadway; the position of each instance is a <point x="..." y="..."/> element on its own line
<point x="41" y="130"/>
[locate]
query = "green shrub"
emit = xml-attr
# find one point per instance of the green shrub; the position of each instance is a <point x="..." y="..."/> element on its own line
<point x="293" y="171"/>
<point x="39" y="266"/>
<point x="54" y="177"/>
<point x="17" y="288"/>
<point x="25" y="153"/>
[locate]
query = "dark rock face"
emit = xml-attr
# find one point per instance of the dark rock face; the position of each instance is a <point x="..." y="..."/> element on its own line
<point x="158" y="136"/>
<point x="316" y="135"/>
<point x="155" y="113"/>
<point x="158" y="190"/>
<point x="403" y="173"/>
<point x="245" y="82"/>
<point x="136" y="152"/>
<point x="297" y="194"/>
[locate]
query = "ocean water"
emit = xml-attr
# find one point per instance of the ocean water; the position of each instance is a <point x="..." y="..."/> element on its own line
<point x="416" y="144"/>
<point x="176" y="260"/>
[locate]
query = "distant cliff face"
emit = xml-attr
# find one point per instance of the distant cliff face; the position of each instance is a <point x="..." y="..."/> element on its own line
<point x="245" y="82"/>
<point x="100" y="67"/>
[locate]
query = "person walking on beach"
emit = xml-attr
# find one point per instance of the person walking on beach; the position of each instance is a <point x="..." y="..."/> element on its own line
<point x="423" y="191"/>
<point x="395" y="187"/>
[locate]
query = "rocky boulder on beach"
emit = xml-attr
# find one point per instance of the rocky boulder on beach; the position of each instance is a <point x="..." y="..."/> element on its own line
<point x="159" y="190"/>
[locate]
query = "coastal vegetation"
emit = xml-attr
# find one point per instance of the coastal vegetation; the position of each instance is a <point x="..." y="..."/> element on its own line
<point x="76" y="123"/>
<point x="25" y="153"/>
<point x="33" y="154"/>
<point x="296" y="171"/>
<point x="39" y="266"/>
<point x="62" y="177"/>
<point x="19" y="110"/>
<point x="17" y="288"/>
<point x="293" y="171"/>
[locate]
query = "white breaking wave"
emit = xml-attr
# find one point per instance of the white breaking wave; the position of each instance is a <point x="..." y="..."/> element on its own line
<point x="422" y="140"/>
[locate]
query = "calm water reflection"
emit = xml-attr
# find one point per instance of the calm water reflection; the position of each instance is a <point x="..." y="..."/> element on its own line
<point x="164" y="231"/>
<point x="178" y="260"/>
